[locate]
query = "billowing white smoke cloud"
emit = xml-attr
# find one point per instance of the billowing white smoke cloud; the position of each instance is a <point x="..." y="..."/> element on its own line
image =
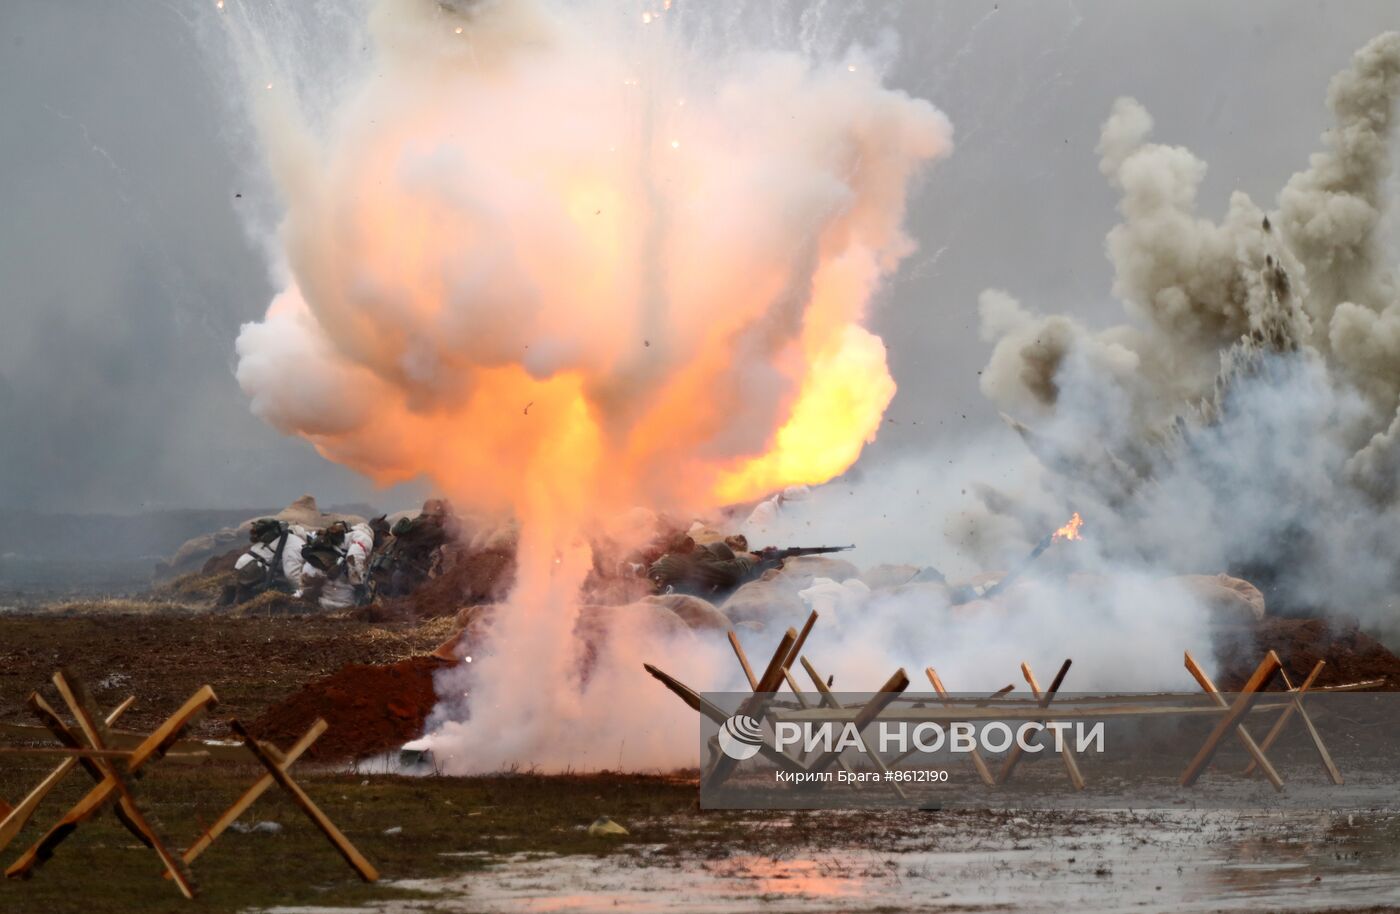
<point x="1125" y="625"/>
<point x="560" y="263"/>
<point x="534" y="228"/>
<point x="1246" y="415"/>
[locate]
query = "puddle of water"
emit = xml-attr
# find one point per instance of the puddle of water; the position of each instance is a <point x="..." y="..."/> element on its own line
<point x="1187" y="862"/>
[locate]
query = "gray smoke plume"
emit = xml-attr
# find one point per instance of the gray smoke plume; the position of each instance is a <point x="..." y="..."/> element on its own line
<point x="1244" y="416"/>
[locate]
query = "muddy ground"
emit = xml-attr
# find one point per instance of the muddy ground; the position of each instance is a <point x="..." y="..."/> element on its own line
<point x="521" y="843"/>
<point x="163" y="657"/>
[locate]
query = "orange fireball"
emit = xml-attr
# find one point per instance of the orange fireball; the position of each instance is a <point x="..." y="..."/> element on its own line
<point x="1070" y="531"/>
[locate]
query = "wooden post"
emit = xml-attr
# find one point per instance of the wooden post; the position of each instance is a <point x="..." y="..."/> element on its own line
<point x="891" y="690"/>
<point x="15" y="819"/>
<point x="714" y="712"/>
<point x="277" y="770"/>
<point x="773" y="676"/>
<point x="748" y="670"/>
<point x="754" y="705"/>
<point x="154" y="746"/>
<point x="1009" y="687"/>
<point x="1255" y="752"/>
<point x="80" y="704"/>
<point x="1297" y="705"/>
<point x="250" y="796"/>
<point x="1071" y="766"/>
<point x="1287" y="713"/>
<point x="975" y="757"/>
<point x="792" y="654"/>
<point x="801" y="640"/>
<point x="976" y="704"/>
<point x="85" y="756"/>
<point x="802" y="700"/>
<point x="1247" y="697"/>
<point x="1014" y="756"/>
<point x="831" y="701"/>
<point x="743" y="659"/>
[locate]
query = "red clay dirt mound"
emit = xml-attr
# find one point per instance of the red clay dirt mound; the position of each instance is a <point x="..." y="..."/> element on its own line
<point x="1351" y="655"/>
<point x="369" y="709"/>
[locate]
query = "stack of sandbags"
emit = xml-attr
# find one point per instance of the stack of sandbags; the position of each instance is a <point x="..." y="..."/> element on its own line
<point x="194" y="552"/>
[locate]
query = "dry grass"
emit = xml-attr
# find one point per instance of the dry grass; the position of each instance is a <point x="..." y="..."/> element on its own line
<point x="110" y="606"/>
<point x="194" y="588"/>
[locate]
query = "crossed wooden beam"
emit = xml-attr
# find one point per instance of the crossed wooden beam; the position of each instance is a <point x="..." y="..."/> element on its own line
<point x="1231" y="720"/>
<point x="112" y="781"/>
<point x="827" y="699"/>
<point x="13" y="819"/>
<point x="1296" y="706"/>
<point x="778" y="672"/>
<point x="763" y="689"/>
<point x="1043" y="700"/>
<point x="114" y="772"/>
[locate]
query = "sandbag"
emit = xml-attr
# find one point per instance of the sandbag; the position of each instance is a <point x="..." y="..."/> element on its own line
<point x="696" y="613"/>
<point x="770" y="598"/>
<point x="834" y="599"/>
<point x="802" y="570"/>
<point x="703" y="534"/>
<point x="1226" y="597"/>
<point x="194" y="552"/>
<point x="596" y="623"/>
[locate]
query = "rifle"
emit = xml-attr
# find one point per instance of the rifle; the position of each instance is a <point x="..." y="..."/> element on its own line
<point x="772" y="556"/>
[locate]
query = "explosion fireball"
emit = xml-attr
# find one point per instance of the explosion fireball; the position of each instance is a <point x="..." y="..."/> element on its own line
<point x="569" y="265"/>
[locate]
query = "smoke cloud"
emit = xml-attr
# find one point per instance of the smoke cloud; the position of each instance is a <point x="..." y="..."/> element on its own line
<point x="1245" y="415"/>
<point x="535" y="234"/>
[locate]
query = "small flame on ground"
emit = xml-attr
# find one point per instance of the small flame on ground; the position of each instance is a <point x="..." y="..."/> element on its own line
<point x="1070" y="531"/>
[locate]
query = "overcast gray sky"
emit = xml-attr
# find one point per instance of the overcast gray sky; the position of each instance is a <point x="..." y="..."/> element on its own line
<point x="125" y="273"/>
